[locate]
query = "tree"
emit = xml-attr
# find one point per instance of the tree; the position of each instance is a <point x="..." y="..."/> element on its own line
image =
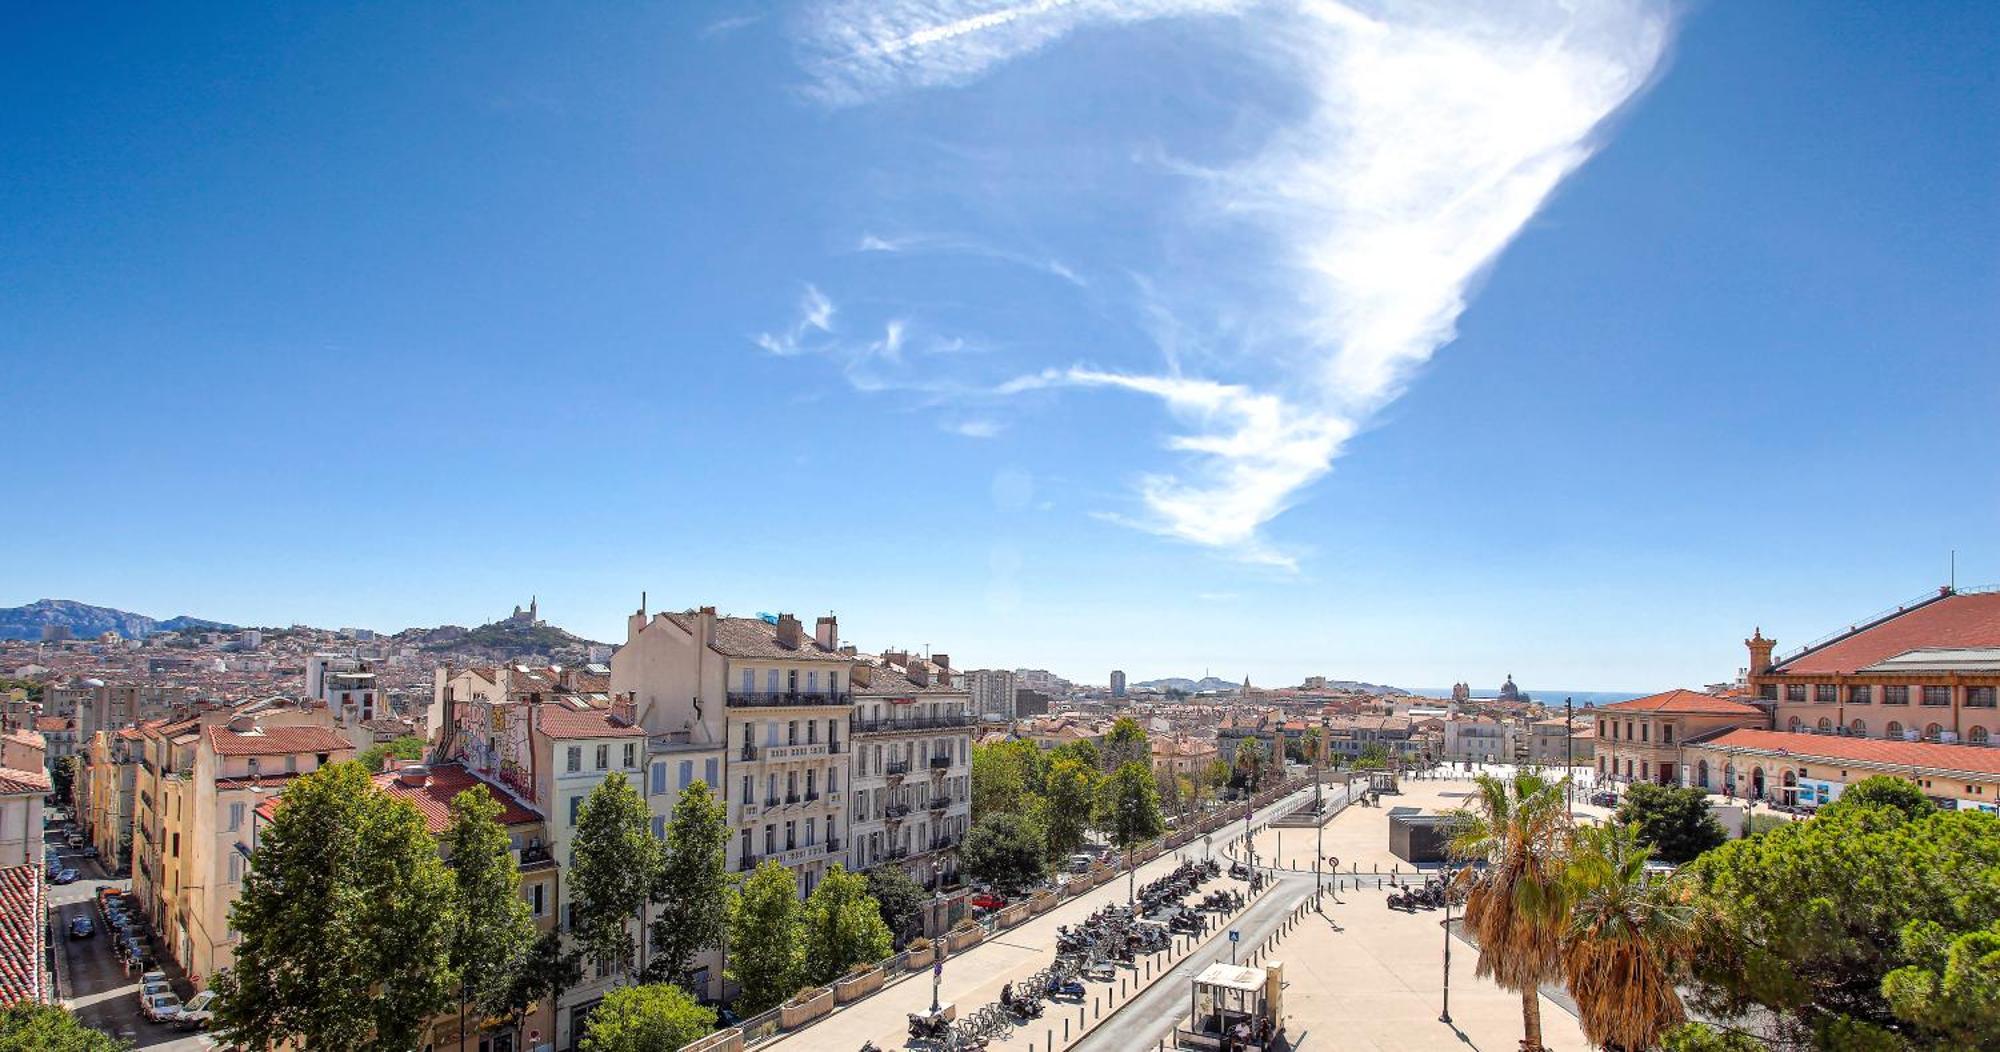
<point x="1884" y="791"/>
<point x="1066" y="807"/>
<point x="1082" y="750"/>
<point x="62" y="780"/>
<point x="1128" y="811"/>
<point x="491" y="927"/>
<point x="29" y="1027"/>
<point x="1373" y="757"/>
<point x="842" y="926"/>
<point x="766" y="940"/>
<point x="898" y="898"/>
<point x="1216" y="774"/>
<point x="1627" y="941"/>
<point x="1952" y="990"/>
<point x="1006" y="778"/>
<point x="1126" y="743"/>
<point x="615" y="859"/>
<point x="1676" y="823"/>
<point x="656" y="1016"/>
<point x="1808" y="922"/>
<point x="1005" y="850"/>
<point x="345" y="922"/>
<point x="1250" y="763"/>
<point x="692" y="885"/>
<point x="408" y="748"/>
<point x="545" y="973"/>
<point x="1514" y="908"/>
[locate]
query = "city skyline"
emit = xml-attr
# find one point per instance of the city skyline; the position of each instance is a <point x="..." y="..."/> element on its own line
<point x="1064" y="340"/>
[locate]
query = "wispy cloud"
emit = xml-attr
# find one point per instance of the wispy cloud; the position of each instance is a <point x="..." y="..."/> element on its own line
<point x="1425" y="139"/>
<point x="969" y="247"/>
<point x="815" y="317"/>
<point x="725" y="26"/>
<point x="975" y="427"/>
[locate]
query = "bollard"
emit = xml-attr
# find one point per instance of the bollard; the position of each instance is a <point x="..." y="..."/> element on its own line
<point x="1049" y="1037"/>
<point x="1066" y="1029"/>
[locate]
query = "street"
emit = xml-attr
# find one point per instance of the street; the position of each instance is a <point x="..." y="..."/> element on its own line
<point x="94" y="983"/>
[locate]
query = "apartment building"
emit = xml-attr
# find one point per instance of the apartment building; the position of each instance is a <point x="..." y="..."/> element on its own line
<point x="912" y="773"/>
<point x="23" y="750"/>
<point x="778" y="699"/>
<point x="1928" y="670"/>
<point x="199" y="780"/>
<point x="105" y="808"/>
<point x="21" y="794"/>
<point x="994" y="693"/>
<point x="1477" y="739"/>
<point x="1555" y="741"/>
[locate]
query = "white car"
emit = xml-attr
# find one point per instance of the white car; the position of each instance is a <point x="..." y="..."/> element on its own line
<point x="198" y="1013"/>
<point x="159" y="1007"/>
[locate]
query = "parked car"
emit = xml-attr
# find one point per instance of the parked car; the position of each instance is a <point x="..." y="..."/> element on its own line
<point x="67" y="876"/>
<point x="986" y="900"/>
<point x="1080" y="863"/>
<point x="159" y="1006"/>
<point x="198" y="1012"/>
<point x="81" y="928"/>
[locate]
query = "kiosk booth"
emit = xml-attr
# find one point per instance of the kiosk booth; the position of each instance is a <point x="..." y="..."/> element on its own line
<point x="1236" y="1009"/>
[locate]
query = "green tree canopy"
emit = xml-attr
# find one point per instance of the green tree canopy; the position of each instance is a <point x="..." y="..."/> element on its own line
<point x="1006" y="777"/>
<point x="62" y="780"/>
<point x="1676" y="823"/>
<point x="692" y="886"/>
<point x="1884" y="791"/>
<point x="842" y="926"/>
<point x="345" y="922"/>
<point x="408" y="748"/>
<point x="766" y="938"/>
<point x="898" y="898"/>
<point x="1126" y="743"/>
<point x="491" y="927"/>
<point x="1006" y="850"/>
<point x="544" y="973"/>
<point x="656" y="1017"/>
<point x="1067" y="806"/>
<point x="1082" y="750"/>
<point x="1250" y="762"/>
<point x="1373" y="757"/>
<point x="615" y="861"/>
<point x="1127" y="808"/>
<point x="1838" y="924"/>
<point x="29" y="1027"/>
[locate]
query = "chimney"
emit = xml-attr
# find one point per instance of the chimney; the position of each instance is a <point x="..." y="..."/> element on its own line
<point x="789" y="632"/>
<point x="919" y="674"/>
<point x="897" y="657"/>
<point x="704" y="625"/>
<point x="625" y="710"/>
<point x="943" y="662"/>
<point x="860" y="674"/>
<point x="827" y="632"/>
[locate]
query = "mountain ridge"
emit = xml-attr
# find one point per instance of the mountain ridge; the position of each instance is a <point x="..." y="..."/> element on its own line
<point x="85" y="621"/>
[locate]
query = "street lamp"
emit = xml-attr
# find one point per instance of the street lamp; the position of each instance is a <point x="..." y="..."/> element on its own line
<point x="937" y="965"/>
<point x="1445" y="1016"/>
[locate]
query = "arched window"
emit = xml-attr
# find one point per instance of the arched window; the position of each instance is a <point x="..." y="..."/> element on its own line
<point x="1894" y="730"/>
<point x="1858" y="728"/>
<point x="1793" y="725"/>
<point x="1701" y="773"/>
<point x="1825" y="725"/>
<point x="1933" y="731"/>
<point x="1978" y="735"/>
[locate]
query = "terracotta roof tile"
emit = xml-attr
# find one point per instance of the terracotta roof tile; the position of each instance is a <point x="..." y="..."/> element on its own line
<point x="1684" y="702"/>
<point x="1958" y="620"/>
<point x="22" y="912"/>
<point x="22" y="783"/>
<point x="1978" y="759"/>
<point x="51" y="724"/>
<point x="446" y="781"/>
<point x="754" y="637"/>
<point x="274" y="741"/>
<point x="558" y="722"/>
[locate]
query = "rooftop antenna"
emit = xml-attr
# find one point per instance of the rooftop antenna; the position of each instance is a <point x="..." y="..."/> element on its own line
<point x="1954" y="569"/>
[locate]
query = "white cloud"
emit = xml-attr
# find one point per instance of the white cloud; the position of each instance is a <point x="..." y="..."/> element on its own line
<point x="1427" y="136"/>
<point x="815" y="316"/>
<point x="969" y="247"/>
<point x="976" y="427"/>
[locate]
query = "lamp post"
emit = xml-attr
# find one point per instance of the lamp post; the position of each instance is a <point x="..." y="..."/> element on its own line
<point x="937" y="965"/>
<point x="1445" y="1016"/>
<point x="1569" y="756"/>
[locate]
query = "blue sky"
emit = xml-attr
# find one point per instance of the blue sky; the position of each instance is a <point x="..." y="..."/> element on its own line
<point x="1168" y="335"/>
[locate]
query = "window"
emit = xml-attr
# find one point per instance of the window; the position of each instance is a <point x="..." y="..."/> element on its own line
<point x="1895" y="729"/>
<point x="770" y="839"/>
<point x="1795" y="692"/>
<point x="235" y="867"/>
<point x="749" y="681"/>
<point x="603" y="757"/>
<point x="792" y="732"/>
<point x="659" y="777"/>
<point x="1937" y="695"/>
<point x="1858" y="729"/>
<point x="749" y="793"/>
<point x="1666" y="733"/>
<point x="1645" y="732"/>
<point x="1825" y="693"/>
<point x="791" y="835"/>
<point x="253" y="767"/>
<point x="659" y="827"/>
<point x="291" y="763"/>
<point x="575" y="807"/>
<point x="631" y="755"/>
<point x="1933" y="732"/>
<point x="177" y="845"/>
<point x="1895" y="695"/>
<point x="1860" y="695"/>
<point x="574" y="763"/>
<point x="1825" y="725"/>
<point x="1979" y="697"/>
<point x="235" y="817"/>
<point x="1600" y="730"/>
<point x="812" y="682"/>
<point x="1978" y="735"/>
<point x="1768" y="692"/>
<point x="687" y="774"/>
<point x="536" y="900"/>
<point x="709" y="773"/>
<point x="770" y="681"/>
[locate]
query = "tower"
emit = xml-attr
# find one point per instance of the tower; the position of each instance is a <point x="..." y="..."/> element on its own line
<point x="1760" y="652"/>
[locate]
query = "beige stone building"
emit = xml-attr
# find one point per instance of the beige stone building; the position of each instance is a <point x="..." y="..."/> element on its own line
<point x="112" y="780"/>
<point x="21" y="794"/>
<point x="1641" y="740"/>
<point x="911" y="776"/>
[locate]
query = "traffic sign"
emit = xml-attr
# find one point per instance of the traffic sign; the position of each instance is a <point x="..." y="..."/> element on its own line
<point x="1235" y="935"/>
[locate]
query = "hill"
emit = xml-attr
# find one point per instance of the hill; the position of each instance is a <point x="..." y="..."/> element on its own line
<point x="85" y="621"/>
<point x="508" y="640"/>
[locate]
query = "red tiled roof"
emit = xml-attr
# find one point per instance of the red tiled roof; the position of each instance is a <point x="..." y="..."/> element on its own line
<point x="446" y="781"/>
<point x="275" y="741"/>
<point x="21" y="783"/>
<point x="558" y="722"/>
<point x="1973" y="758"/>
<point x="1685" y="703"/>
<point x="22" y="913"/>
<point x="51" y="723"/>
<point x="1953" y="621"/>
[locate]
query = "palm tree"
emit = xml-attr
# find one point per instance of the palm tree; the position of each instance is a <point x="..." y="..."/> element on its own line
<point x="1628" y="935"/>
<point x="1516" y="907"/>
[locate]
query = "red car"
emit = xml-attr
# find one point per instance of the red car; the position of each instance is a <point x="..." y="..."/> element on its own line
<point x="986" y="900"/>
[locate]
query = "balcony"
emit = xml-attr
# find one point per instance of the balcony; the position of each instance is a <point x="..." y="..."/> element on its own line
<point x="770" y="802"/>
<point x="832" y="844"/>
<point x="896" y="768"/>
<point x="786" y="699"/>
<point x="812" y="798"/>
<point x="940" y="803"/>
<point x="890" y="725"/>
<point x="896" y="852"/>
<point x="940" y="763"/>
<point x="535" y="855"/>
<point x="791" y="798"/>
<point x="750" y="752"/>
<point x="747" y="863"/>
<point x="808" y="751"/>
<point x="944" y="843"/>
<point x="896" y="812"/>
